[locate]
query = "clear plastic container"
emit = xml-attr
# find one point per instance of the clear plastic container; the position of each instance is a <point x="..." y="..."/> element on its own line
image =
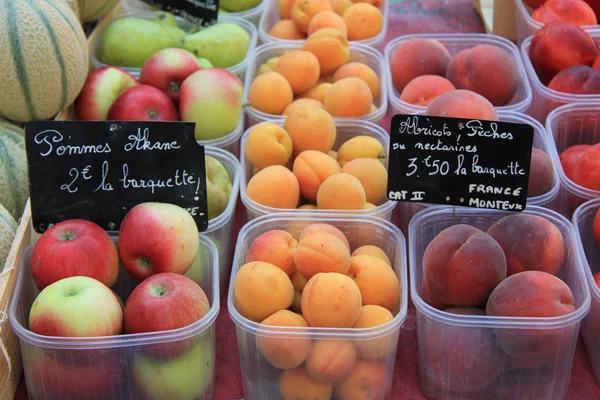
<point x="455" y="43"/>
<point x="260" y="378"/>
<point x="119" y="367"/>
<point x="540" y="141"/>
<point x="583" y="221"/>
<point x="448" y="342"/>
<point x="229" y="142"/>
<point x="358" y="53"/>
<point x="239" y="69"/>
<point x="252" y="15"/>
<point x="345" y="130"/>
<point x="567" y="126"/>
<point x="271" y="16"/>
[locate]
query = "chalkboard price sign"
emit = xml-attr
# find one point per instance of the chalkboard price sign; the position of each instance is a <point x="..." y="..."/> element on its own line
<point x="99" y="170"/>
<point x="199" y="12"/>
<point x="461" y="162"/>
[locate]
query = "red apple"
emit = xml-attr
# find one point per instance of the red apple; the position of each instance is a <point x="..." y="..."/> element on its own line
<point x="101" y="89"/>
<point x="156" y="238"/>
<point x="167" y="69"/>
<point x="143" y="103"/>
<point x="74" y="248"/>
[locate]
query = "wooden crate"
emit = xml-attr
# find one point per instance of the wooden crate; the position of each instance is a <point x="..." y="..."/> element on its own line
<point x="499" y="17"/>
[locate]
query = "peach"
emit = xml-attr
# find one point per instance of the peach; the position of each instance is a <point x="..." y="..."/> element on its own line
<point x="370" y="250"/>
<point x="283" y="352"/>
<point x="530" y="243"/>
<point x="377" y="282"/>
<point x="429" y="298"/>
<point x="587" y="172"/>
<point x="360" y="147"/>
<point x="327" y="19"/>
<point x="275" y="186"/>
<point x="368" y="381"/>
<point x="361" y="71"/>
<point x="324" y="228"/>
<point x="341" y="192"/>
<point x="579" y="79"/>
<point x="596" y="227"/>
<point x="596" y="64"/>
<point x="487" y="70"/>
<point x="261" y="289"/>
<point x="331" y="300"/>
<point x="268" y="144"/>
<point x="268" y="66"/>
<point x="276" y="247"/>
<point x="558" y="46"/>
<point x="286" y="29"/>
<point x="422" y="90"/>
<point x="297" y="303"/>
<point x="317" y="93"/>
<point x="304" y="10"/>
<point x="597" y="276"/>
<point x="270" y="93"/>
<point x="577" y="12"/>
<point x="363" y="20"/>
<point x="331" y="361"/>
<point x="295" y="384"/>
<point x="372" y="175"/>
<point x="298" y="281"/>
<point x="349" y="97"/>
<point x="569" y="158"/>
<point x="311" y="128"/>
<point x="302" y="103"/>
<point x="331" y="48"/>
<point x="462" y="104"/>
<point x="416" y="57"/>
<point x="321" y="252"/>
<point x="285" y="8"/>
<point x="311" y="168"/>
<point x="300" y="68"/>
<point x="372" y="316"/>
<point x="541" y="174"/>
<point x="462" y="265"/>
<point x="340" y="6"/>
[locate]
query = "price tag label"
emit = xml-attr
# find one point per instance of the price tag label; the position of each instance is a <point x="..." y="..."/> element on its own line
<point x="200" y="12"/>
<point x="99" y="170"/>
<point x="462" y="162"/>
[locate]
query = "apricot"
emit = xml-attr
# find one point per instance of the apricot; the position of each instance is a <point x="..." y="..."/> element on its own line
<point x="270" y="93"/>
<point x="321" y="252"/>
<point x="261" y="289"/>
<point x="324" y="228"/>
<point x="275" y="186"/>
<point x="429" y="298"/>
<point x="569" y="159"/>
<point x="349" y="97"/>
<point x="370" y="250"/>
<point x="308" y="207"/>
<point x="360" y="147"/>
<point x="361" y="71"/>
<point x="276" y="247"/>
<point x="268" y="66"/>
<point x="416" y="57"/>
<point x="295" y="384"/>
<point x="299" y="281"/>
<point x="587" y="172"/>
<point x="462" y="104"/>
<point x="327" y="19"/>
<point x="340" y="6"/>
<point x="372" y="175"/>
<point x="285" y="8"/>
<point x="331" y="361"/>
<point x="363" y="20"/>
<point x="579" y="79"/>
<point x="268" y="144"/>
<point x="462" y="265"/>
<point x="304" y="10"/>
<point x="301" y="103"/>
<point x="422" y="90"/>
<point x="530" y="243"/>
<point x="286" y="29"/>
<point x="311" y="168"/>
<point x="541" y="174"/>
<point x="558" y="46"/>
<point x="369" y="206"/>
<point x="283" y="352"/>
<point x="377" y="282"/>
<point x="331" y="48"/>
<point x="311" y="128"/>
<point x="376" y="3"/>
<point x="317" y="93"/>
<point x="332" y="154"/>
<point x="331" y="300"/>
<point x="297" y="303"/>
<point x="368" y="381"/>
<point x="577" y="12"/>
<point x="487" y="70"/>
<point x="341" y="192"/>
<point x="372" y="349"/>
<point x="300" y="68"/>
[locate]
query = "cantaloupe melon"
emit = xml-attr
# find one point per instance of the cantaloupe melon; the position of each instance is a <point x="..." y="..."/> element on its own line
<point x="44" y="58"/>
<point x="14" y="184"/>
<point x="91" y="10"/>
<point x="8" y="230"/>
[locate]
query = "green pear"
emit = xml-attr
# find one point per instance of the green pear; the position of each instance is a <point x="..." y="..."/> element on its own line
<point x="130" y="41"/>
<point x="224" y="44"/>
<point x="166" y="18"/>
<point x="238" y="5"/>
<point x="204" y="63"/>
<point x="218" y="187"/>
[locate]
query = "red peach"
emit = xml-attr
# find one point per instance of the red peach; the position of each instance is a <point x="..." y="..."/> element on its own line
<point x="422" y="90"/>
<point x="569" y="159"/>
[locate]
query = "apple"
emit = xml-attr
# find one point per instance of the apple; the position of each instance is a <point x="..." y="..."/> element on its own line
<point x="78" y="306"/>
<point x="101" y="89"/>
<point x="167" y="69"/>
<point x="157" y="237"/>
<point x="218" y="187"/>
<point x="212" y="98"/>
<point x="143" y="103"/>
<point x="74" y="248"/>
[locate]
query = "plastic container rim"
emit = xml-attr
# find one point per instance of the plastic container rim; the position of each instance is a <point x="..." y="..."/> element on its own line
<point x="589" y="205"/>
<point x="251" y="12"/>
<point x="220" y="154"/>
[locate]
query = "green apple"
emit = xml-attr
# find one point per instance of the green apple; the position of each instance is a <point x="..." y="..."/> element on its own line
<point x="218" y="187"/>
<point x="238" y="5"/>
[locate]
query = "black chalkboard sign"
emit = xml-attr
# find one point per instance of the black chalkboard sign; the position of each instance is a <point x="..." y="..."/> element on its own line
<point x="99" y="170"/>
<point x="461" y="162"/>
<point x="199" y="12"/>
